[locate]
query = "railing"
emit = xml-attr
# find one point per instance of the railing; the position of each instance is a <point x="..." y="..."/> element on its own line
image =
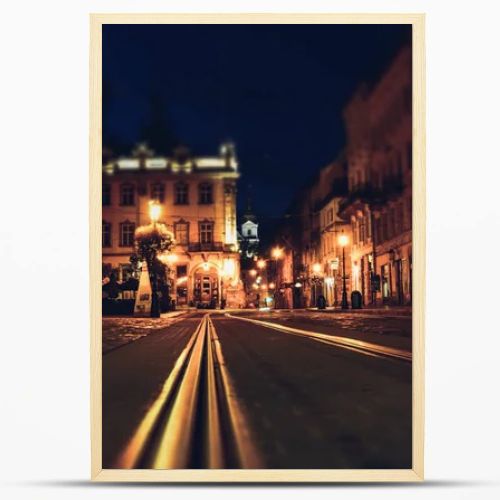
<point x="207" y="247"/>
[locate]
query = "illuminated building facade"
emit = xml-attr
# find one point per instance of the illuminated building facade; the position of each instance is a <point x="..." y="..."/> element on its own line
<point x="379" y="205"/>
<point x="366" y="195"/>
<point x="197" y="196"/>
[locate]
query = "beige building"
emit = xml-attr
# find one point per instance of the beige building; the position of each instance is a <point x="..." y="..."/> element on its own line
<point x="379" y="154"/>
<point x="198" y="200"/>
<point x="331" y="254"/>
<point x="366" y="194"/>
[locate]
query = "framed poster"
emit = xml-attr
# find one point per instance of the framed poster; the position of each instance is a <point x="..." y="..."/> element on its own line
<point x="257" y="233"/>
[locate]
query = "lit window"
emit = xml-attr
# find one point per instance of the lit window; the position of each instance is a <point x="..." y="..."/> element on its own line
<point x="106" y="234"/>
<point x="127" y="230"/>
<point x="106" y="195"/>
<point x="127" y="195"/>
<point x="205" y="194"/>
<point x="181" y="230"/>
<point x="181" y="193"/>
<point x="158" y="192"/>
<point x="206" y="232"/>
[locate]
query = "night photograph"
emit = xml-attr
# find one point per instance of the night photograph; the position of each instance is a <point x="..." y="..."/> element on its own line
<point x="257" y="246"/>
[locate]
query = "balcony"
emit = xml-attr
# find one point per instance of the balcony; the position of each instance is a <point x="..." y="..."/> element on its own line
<point x="373" y="195"/>
<point x="215" y="246"/>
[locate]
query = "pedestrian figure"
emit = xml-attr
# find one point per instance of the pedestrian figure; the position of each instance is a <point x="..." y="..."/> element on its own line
<point x="321" y="303"/>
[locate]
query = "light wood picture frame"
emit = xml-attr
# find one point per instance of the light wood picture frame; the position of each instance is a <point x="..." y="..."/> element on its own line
<point x="416" y="473"/>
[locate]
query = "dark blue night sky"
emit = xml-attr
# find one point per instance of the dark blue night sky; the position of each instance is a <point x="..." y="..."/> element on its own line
<point x="277" y="91"/>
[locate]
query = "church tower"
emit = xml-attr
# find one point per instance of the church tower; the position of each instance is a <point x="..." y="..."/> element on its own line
<point x="249" y="232"/>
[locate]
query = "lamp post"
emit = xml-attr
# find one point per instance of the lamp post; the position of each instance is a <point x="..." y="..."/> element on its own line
<point x="316" y="269"/>
<point x="343" y="241"/>
<point x="154" y="215"/>
<point x="277" y="253"/>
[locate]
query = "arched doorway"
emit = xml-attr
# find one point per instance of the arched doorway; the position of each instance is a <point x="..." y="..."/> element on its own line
<point x="206" y="285"/>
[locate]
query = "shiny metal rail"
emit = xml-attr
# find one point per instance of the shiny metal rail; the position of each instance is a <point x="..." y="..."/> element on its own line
<point x="360" y="346"/>
<point x="196" y="420"/>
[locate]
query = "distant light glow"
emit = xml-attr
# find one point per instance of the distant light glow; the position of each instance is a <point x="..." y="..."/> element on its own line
<point x="316" y="267"/>
<point x="343" y="240"/>
<point x="277" y="253"/>
<point x="261" y="263"/>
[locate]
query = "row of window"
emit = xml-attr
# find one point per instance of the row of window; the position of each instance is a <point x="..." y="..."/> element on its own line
<point x="181" y="232"/>
<point x="394" y="221"/>
<point x="391" y="223"/>
<point x="361" y="230"/>
<point x="127" y="195"/>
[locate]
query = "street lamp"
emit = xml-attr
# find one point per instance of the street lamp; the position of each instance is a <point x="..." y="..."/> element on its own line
<point x="261" y="263"/>
<point x="154" y="211"/>
<point x="154" y="215"/>
<point x="343" y="241"/>
<point x="316" y="269"/>
<point x="276" y="253"/>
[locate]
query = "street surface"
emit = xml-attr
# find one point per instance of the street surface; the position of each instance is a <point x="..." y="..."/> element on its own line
<point x="328" y="392"/>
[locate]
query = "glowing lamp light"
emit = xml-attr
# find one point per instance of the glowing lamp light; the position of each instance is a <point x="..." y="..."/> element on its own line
<point x="255" y="286"/>
<point x="316" y="268"/>
<point x="272" y="286"/>
<point x="154" y="211"/>
<point x="343" y="240"/>
<point x="205" y="266"/>
<point x="277" y="253"/>
<point x="253" y="272"/>
<point x="261" y="263"/>
<point x="298" y="285"/>
<point x="171" y="258"/>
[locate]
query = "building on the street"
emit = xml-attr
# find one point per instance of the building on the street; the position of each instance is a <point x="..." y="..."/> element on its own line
<point x="248" y="235"/>
<point x="311" y="265"/>
<point x="248" y="240"/>
<point x="198" y="201"/>
<point x="378" y="124"/>
<point x="365" y="196"/>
